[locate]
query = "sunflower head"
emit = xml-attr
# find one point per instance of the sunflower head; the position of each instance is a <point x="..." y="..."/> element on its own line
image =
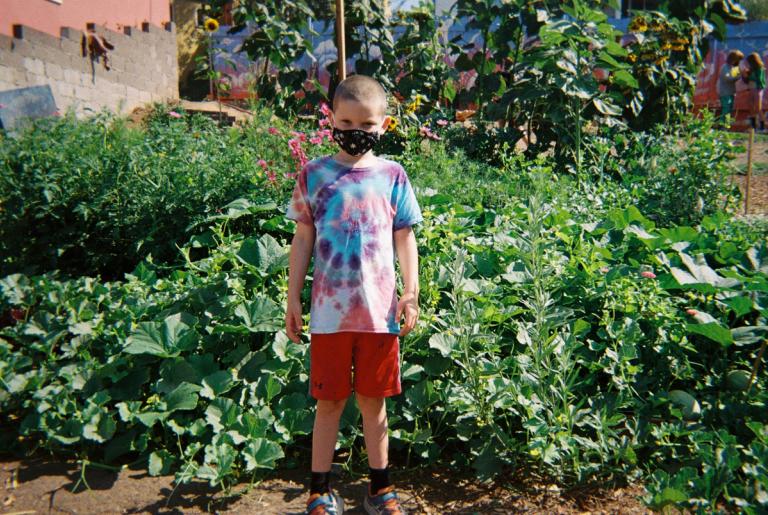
<point x="211" y="25"/>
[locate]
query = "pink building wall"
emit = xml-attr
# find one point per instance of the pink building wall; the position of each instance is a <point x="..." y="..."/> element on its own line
<point x="50" y="15"/>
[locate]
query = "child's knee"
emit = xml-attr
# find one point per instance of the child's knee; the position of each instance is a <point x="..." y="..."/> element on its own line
<point x="369" y="403"/>
<point x="328" y="408"/>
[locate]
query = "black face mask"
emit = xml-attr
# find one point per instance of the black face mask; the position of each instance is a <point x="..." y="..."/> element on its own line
<point x="355" y="141"/>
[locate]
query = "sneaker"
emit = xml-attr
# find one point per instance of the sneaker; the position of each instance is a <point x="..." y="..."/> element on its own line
<point x="385" y="502"/>
<point x="327" y="504"/>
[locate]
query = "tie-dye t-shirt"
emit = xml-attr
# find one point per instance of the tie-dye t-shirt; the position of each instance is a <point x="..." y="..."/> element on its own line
<point x="355" y="212"/>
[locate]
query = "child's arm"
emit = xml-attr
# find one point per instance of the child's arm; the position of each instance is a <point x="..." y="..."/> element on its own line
<point x="301" y="253"/>
<point x="408" y="256"/>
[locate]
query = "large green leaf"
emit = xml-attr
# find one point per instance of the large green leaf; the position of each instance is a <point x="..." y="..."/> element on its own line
<point x="183" y="397"/>
<point x="443" y="342"/>
<point x="262" y="314"/>
<point x="261" y="453"/>
<point x="165" y="340"/>
<point x="264" y="253"/>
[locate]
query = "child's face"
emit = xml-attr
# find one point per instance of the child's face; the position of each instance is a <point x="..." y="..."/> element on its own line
<point x="366" y="116"/>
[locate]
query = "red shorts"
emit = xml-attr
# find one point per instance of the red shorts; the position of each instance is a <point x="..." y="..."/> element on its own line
<point x="368" y="363"/>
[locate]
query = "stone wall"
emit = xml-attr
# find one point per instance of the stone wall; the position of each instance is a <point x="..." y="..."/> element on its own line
<point x="143" y="66"/>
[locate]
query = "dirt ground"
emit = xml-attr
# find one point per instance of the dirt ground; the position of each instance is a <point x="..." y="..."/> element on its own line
<point x="51" y="487"/>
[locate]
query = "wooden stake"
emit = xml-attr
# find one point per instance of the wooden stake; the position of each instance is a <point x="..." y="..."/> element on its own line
<point x="340" y="43"/>
<point x="749" y="169"/>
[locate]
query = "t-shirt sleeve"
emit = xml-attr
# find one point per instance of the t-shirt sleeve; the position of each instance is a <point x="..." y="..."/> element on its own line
<point x="407" y="211"/>
<point x="299" y="209"/>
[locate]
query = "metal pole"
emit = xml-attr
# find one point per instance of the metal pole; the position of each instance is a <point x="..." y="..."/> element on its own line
<point x="749" y="168"/>
<point x="340" y="40"/>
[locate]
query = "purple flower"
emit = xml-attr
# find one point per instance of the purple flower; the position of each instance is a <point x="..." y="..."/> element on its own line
<point x="442" y="123"/>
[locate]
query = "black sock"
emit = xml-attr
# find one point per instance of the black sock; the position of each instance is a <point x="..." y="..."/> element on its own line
<point x="379" y="479"/>
<point x="320" y="483"/>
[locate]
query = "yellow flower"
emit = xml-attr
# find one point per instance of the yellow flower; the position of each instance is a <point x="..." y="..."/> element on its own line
<point x="638" y="25"/>
<point x="661" y="59"/>
<point x="392" y="124"/>
<point x="666" y="46"/>
<point x="211" y="25"/>
<point x="632" y="58"/>
<point x="678" y="48"/>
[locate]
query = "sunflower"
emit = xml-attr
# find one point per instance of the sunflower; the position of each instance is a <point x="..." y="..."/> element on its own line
<point x="638" y="25"/>
<point x="211" y="25"/>
<point x="392" y="125"/>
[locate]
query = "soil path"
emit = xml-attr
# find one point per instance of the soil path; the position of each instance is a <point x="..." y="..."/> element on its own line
<point x="758" y="187"/>
<point x="50" y="487"/>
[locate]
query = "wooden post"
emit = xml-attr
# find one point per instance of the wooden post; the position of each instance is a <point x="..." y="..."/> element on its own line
<point x="340" y="40"/>
<point x="749" y="169"/>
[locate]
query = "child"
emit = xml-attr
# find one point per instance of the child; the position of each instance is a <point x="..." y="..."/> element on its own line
<point x="353" y="212"/>
<point x="756" y="80"/>
<point x="726" y="83"/>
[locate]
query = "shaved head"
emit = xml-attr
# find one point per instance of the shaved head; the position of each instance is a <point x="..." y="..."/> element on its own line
<point x="362" y="89"/>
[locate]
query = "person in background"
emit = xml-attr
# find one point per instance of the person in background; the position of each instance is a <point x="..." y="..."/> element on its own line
<point x="726" y="83"/>
<point x="755" y="78"/>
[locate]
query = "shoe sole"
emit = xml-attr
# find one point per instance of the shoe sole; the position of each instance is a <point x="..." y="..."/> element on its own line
<point x="370" y="510"/>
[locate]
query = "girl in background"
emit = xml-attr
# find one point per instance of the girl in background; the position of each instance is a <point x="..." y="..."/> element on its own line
<point x="755" y="77"/>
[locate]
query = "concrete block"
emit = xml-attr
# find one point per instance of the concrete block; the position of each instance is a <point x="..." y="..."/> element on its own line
<point x="145" y="97"/>
<point x="84" y="93"/>
<point x="54" y="72"/>
<point x="11" y="58"/>
<point x="35" y="36"/>
<point x="6" y="72"/>
<point x="73" y="77"/>
<point x="34" y="65"/>
<point x="71" y="47"/>
<point x="6" y="42"/>
<point x="64" y="89"/>
<point x="33" y="79"/>
<point x="24" y="48"/>
<point x="71" y="34"/>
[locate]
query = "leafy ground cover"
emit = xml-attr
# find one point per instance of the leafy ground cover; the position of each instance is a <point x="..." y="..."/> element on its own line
<point x="564" y="332"/>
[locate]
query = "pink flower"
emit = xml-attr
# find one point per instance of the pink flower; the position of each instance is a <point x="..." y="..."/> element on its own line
<point x="297" y="153"/>
<point x="271" y="176"/>
<point x="273" y="131"/>
<point x="300" y="135"/>
<point x="324" y="122"/>
<point x="263" y="164"/>
<point x="442" y="123"/>
<point x="316" y="140"/>
<point x="692" y="312"/>
<point x="325" y="109"/>
<point x="604" y="269"/>
<point x="174" y="114"/>
<point x="648" y="275"/>
<point x="426" y="132"/>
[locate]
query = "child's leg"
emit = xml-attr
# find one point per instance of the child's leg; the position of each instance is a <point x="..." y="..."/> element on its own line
<point x="324" y="433"/>
<point x="373" y="410"/>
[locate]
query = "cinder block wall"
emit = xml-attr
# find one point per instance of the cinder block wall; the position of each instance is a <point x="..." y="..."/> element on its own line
<point x="143" y="66"/>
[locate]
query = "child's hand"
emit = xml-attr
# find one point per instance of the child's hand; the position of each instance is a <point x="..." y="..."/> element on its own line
<point x="408" y="306"/>
<point x="293" y="320"/>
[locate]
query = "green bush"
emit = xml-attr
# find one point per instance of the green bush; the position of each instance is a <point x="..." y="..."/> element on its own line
<point x="96" y="196"/>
